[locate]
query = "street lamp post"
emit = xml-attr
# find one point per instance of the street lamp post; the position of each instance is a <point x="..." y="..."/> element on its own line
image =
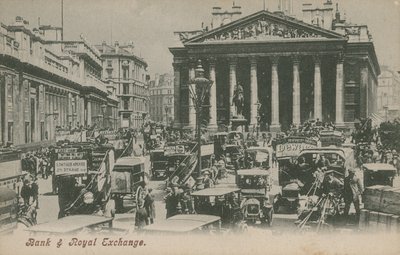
<point x="198" y="93"/>
<point x="103" y="111"/>
<point x="166" y="115"/>
<point x="258" y="104"/>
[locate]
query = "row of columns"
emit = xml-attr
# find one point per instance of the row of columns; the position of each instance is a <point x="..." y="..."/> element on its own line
<point x="275" y="122"/>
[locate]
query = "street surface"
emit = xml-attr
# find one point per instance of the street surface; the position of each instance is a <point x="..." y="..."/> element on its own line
<point x="48" y="208"/>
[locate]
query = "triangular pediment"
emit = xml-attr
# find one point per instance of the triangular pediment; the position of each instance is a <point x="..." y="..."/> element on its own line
<point x="264" y="26"/>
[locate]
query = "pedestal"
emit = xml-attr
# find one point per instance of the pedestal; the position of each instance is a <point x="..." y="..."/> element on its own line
<point x="238" y="123"/>
<point x="275" y="128"/>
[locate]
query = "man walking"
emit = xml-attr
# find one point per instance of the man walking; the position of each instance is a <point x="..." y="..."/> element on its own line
<point x="141" y="216"/>
<point x="149" y="205"/>
<point x="353" y="188"/>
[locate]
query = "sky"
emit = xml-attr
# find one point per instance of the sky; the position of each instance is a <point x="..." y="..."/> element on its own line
<point x="150" y="24"/>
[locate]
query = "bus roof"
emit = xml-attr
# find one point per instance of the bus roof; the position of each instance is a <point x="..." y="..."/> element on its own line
<point x="69" y="224"/>
<point x="215" y="191"/>
<point x="182" y="223"/>
<point x="255" y="171"/>
<point x="130" y="161"/>
<point x="379" y="167"/>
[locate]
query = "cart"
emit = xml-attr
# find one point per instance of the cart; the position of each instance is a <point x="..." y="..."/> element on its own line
<point x="378" y="174"/>
<point x="128" y="180"/>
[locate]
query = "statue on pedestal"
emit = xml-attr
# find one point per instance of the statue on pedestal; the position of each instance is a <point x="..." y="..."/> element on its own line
<point x="238" y="100"/>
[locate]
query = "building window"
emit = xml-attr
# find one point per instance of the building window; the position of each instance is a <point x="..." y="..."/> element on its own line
<point x="27" y="136"/>
<point x="126" y="104"/>
<point x="109" y="63"/>
<point x="42" y="131"/>
<point x="125" y="89"/>
<point x="10" y="132"/>
<point x="125" y="73"/>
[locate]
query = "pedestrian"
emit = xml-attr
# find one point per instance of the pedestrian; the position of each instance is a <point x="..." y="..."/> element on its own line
<point x="353" y="189"/>
<point x="396" y="162"/>
<point x="149" y="205"/>
<point x="26" y="192"/>
<point x="35" y="192"/>
<point x="141" y="217"/>
<point x="169" y="203"/>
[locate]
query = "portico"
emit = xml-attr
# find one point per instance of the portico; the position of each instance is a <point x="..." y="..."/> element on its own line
<point x="295" y="71"/>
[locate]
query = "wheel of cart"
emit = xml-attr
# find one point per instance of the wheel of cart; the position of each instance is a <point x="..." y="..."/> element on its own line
<point x="128" y="180"/>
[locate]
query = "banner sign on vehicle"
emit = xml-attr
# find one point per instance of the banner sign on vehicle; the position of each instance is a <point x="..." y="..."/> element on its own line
<point x="70" y="167"/>
<point x="71" y="155"/>
<point x="207" y="149"/>
<point x="292" y="146"/>
<point x="66" y="150"/>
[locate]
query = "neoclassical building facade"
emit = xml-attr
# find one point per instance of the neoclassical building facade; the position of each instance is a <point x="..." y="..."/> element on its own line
<point x="47" y="84"/>
<point x="291" y="71"/>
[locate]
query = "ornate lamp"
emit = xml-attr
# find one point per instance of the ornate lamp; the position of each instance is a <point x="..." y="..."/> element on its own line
<point x="198" y="93"/>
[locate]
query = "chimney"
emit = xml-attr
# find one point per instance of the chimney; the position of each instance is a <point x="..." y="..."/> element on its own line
<point x="19" y="20"/>
<point x="236" y="11"/>
<point x="337" y="14"/>
<point x="216" y="16"/>
<point x="103" y="44"/>
<point x="116" y="46"/>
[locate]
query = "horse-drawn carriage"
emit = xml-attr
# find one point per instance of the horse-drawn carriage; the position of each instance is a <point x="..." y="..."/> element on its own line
<point x="378" y="174"/>
<point x="83" y="177"/>
<point x="128" y="180"/>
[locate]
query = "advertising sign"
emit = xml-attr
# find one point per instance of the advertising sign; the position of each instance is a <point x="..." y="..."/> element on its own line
<point x="292" y="146"/>
<point x="71" y="155"/>
<point x="70" y="167"/>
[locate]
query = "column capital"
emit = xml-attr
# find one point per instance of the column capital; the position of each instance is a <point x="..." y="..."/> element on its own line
<point x="212" y="61"/>
<point x="192" y="61"/>
<point x="176" y="65"/>
<point x="317" y="59"/>
<point x="364" y="61"/>
<point x="340" y="58"/>
<point x="274" y="59"/>
<point x="295" y="58"/>
<point x="253" y="60"/>
<point x="232" y="60"/>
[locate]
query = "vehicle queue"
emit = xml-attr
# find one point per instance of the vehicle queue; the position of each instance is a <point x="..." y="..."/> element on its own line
<point x="308" y="171"/>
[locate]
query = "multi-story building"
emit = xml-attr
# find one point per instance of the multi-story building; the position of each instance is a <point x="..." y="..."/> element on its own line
<point x="389" y="94"/>
<point x="47" y="83"/>
<point x="318" y="66"/>
<point x="162" y="98"/>
<point x="125" y="74"/>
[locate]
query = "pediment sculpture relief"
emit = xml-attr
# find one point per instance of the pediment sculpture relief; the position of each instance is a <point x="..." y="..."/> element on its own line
<point x="261" y="29"/>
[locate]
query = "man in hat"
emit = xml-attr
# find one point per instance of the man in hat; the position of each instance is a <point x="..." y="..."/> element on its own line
<point x="149" y="205"/>
<point x="26" y="191"/>
<point x="396" y="162"/>
<point x="141" y="217"/>
<point x="353" y="189"/>
<point x="208" y="182"/>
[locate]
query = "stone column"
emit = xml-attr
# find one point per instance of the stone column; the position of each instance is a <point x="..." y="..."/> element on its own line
<point x="364" y="88"/>
<point x="69" y="110"/>
<point x="275" y="125"/>
<point x="177" y="95"/>
<point x="192" y="110"/>
<point x="339" y="91"/>
<point x="317" y="89"/>
<point x="50" y="119"/>
<point x="213" y="96"/>
<point x="253" y="91"/>
<point x="232" y="86"/>
<point x="89" y="113"/>
<point x="296" y="91"/>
